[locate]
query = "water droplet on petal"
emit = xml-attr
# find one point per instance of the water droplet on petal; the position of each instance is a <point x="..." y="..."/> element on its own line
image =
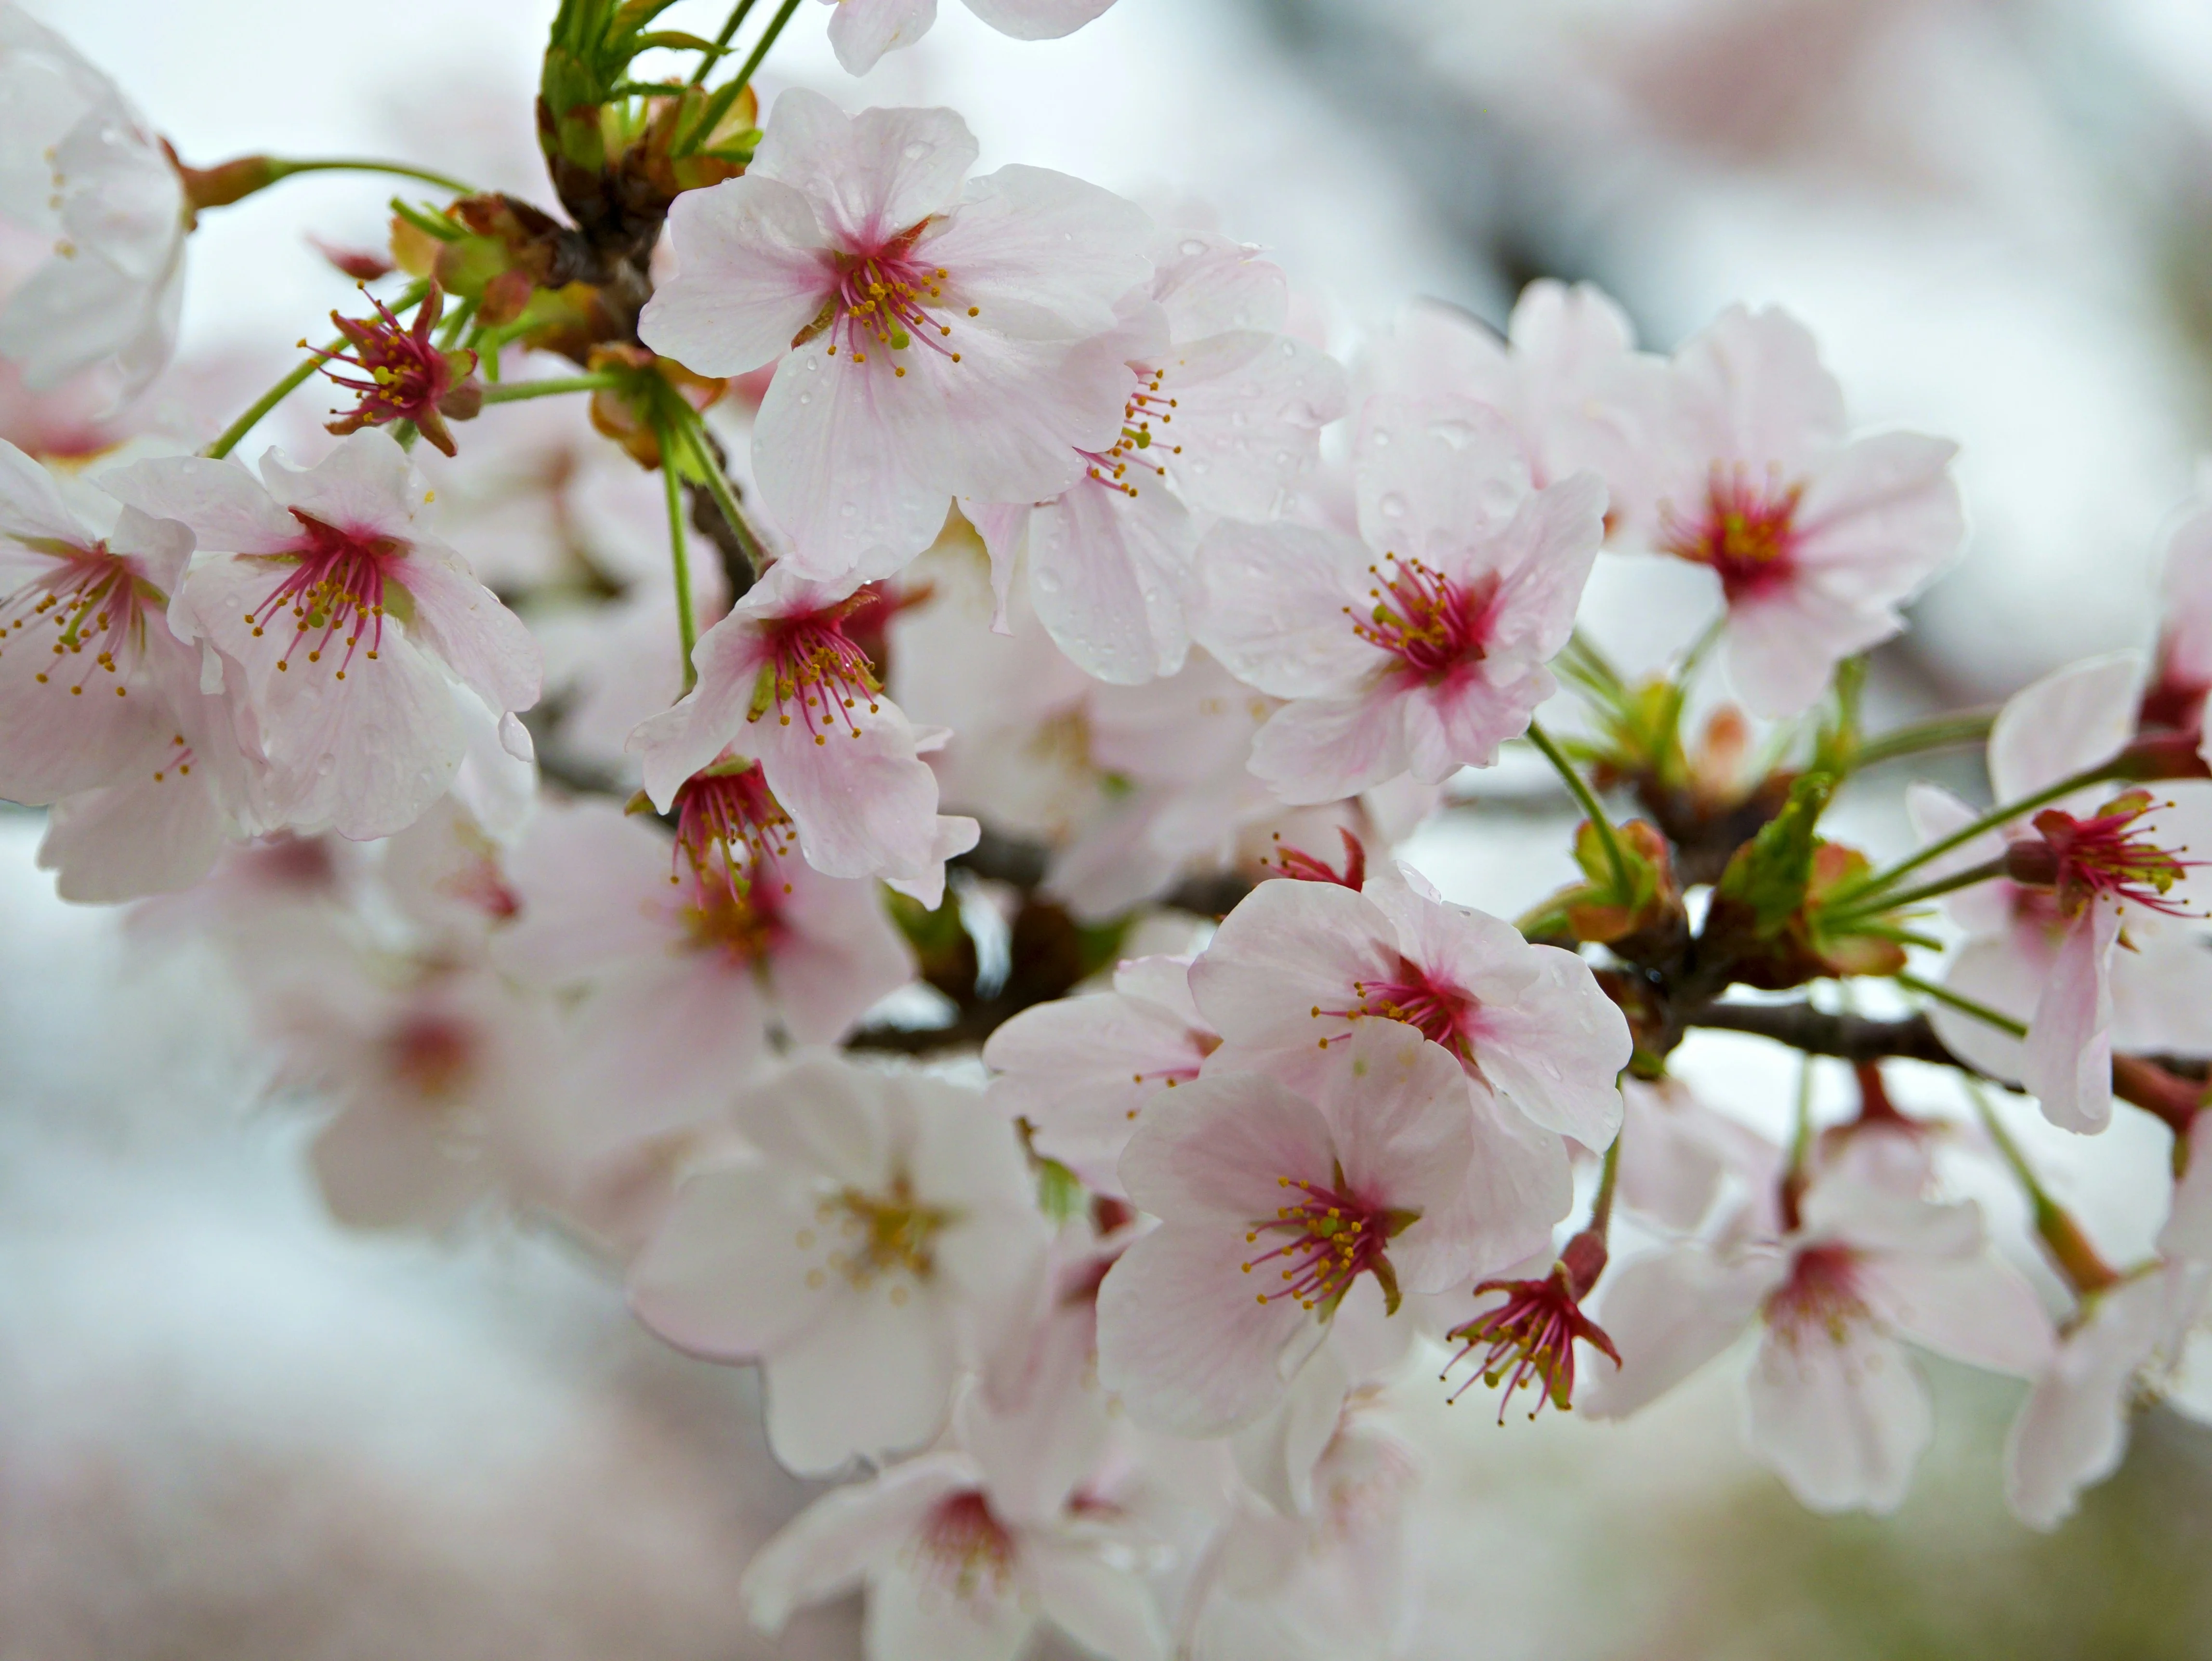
<point x="1393" y="506"/>
<point x="1192" y="248"/>
<point x="915" y="149"/>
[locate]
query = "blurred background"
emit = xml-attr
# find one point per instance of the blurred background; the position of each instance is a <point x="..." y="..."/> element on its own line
<point x="229" y="1430"/>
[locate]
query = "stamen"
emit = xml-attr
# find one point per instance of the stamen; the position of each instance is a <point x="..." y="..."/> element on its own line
<point x="1746" y="531"/>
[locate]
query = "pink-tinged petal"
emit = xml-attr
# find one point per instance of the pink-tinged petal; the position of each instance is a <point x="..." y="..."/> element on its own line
<point x="864" y="803"/>
<point x="692" y="733"/>
<point x="131" y="840"/>
<point x="967" y="1154"/>
<point x="31" y="507"/>
<point x="835" y="453"/>
<point x="1005" y="528"/>
<point x="1839" y="1413"/>
<point x="839" y="958"/>
<point x="1750" y="386"/>
<point x="378" y="1168"/>
<point x="2006" y="973"/>
<point x="1273" y="604"/>
<point x="1208" y="285"/>
<point x="1276" y="1453"/>
<point x="1288" y="947"/>
<point x="1544" y="558"/>
<point x="63" y="729"/>
<point x="1436" y="477"/>
<point x="1517" y="1186"/>
<point x="2071" y="719"/>
<point x="1784" y="644"/>
<point x="1219" y="1151"/>
<point x="593" y="883"/>
<point x="1397" y="1107"/>
<point x="1668" y="1314"/>
<point x="1557" y="1051"/>
<point x="1881" y="516"/>
<point x="751" y="272"/>
<point x="222" y="503"/>
<point x="483" y="642"/>
<point x="862" y="31"/>
<point x="660" y="1048"/>
<point x="1183" y="1337"/>
<point x="1038" y="20"/>
<point x="1110" y="575"/>
<point x="1935" y="813"/>
<point x="853" y="1134"/>
<point x="1977" y="1310"/>
<point x="1162" y="982"/>
<point x="827" y="1548"/>
<point x="2074" y="1427"/>
<point x="2186" y="649"/>
<point x="1321" y="750"/>
<point x="1106" y="1610"/>
<point x="724" y="1277"/>
<point x="874" y="1379"/>
<point x="2188" y="1230"/>
<point x="2162" y="989"/>
<point x="366" y="757"/>
<point x="368" y="485"/>
<point x="1049" y="255"/>
<point x="1461" y="722"/>
<point x="2067" y="1062"/>
<point x="873" y="175"/>
<point x="1249" y="408"/>
<point x="912" y="1614"/>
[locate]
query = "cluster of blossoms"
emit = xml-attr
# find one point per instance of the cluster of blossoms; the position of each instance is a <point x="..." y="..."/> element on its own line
<point x="604" y="874"/>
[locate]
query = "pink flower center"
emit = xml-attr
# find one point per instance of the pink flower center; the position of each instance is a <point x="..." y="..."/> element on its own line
<point x="882" y="300"/>
<point x="1147" y="405"/>
<point x="334" y="591"/>
<point x="1821" y="1295"/>
<point x="2103" y="857"/>
<point x="431" y="1055"/>
<point x="1325" y="1239"/>
<point x="1746" y="531"/>
<point x="1434" y="624"/>
<point x="90" y="600"/>
<point x="1530" y="1339"/>
<point x="730" y="827"/>
<point x="866" y="1238"/>
<point x="746" y="926"/>
<point x="967" y="1546"/>
<point x="1440" y="1012"/>
<point x="1296" y="863"/>
<point x="403" y="375"/>
<point x="814" y="668"/>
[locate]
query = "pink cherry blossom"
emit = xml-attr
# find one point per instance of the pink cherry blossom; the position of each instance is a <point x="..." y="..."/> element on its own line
<point x="1272" y="1206"/>
<point x="689" y="962"/>
<point x="862" y="31"/>
<point x="1567" y="374"/>
<point x="1816" y="538"/>
<point x="874" y="1240"/>
<point x="932" y="338"/>
<point x="1082" y="1071"/>
<point x="1222" y="415"/>
<point x="782" y="682"/>
<point x="1299" y="967"/>
<point x="354" y="631"/>
<point x="2105" y="866"/>
<point x="1836" y="1408"/>
<point x="1421" y="647"/>
<point x="2073" y="1429"/>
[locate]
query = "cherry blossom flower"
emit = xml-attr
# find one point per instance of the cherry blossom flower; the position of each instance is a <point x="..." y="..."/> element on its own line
<point x="1580" y="397"/>
<point x="1298" y="967"/>
<point x="80" y="170"/>
<point x="408" y="378"/>
<point x="881" y="1232"/>
<point x="862" y="31"/>
<point x="2122" y="1349"/>
<point x="1223" y="414"/>
<point x="2099" y="869"/>
<point x="690" y="962"/>
<point x="1816" y="538"/>
<point x="941" y="333"/>
<point x="1421" y="647"/>
<point x="1836" y="1408"/>
<point x="1272" y="1206"/>
<point x="781" y="680"/>
<point x="1081" y="1071"/>
<point x="352" y="628"/>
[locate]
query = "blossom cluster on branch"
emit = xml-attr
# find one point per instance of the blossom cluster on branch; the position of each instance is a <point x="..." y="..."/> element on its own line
<point x="869" y="798"/>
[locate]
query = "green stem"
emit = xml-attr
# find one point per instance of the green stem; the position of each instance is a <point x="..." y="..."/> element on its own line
<point x="1587" y="799"/>
<point x="1863" y="894"/>
<point x="2062" y="1237"/>
<point x="687" y="623"/>
<point x="1938" y="733"/>
<point x="233" y="433"/>
<point x="1842" y="916"/>
<point x="725" y="498"/>
<point x="1980" y="1012"/>
<point x="451" y="333"/>
<point x="511" y="391"/>
<point x="280" y="167"/>
<point x="760" y="49"/>
<point x="1601" y="1217"/>
<point x="708" y="60"/>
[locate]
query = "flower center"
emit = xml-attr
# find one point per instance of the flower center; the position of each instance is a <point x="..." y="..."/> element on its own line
<point x="730" y="828"/>
<point x="814" y="668"/>
<point x="962" y="1542"/>
<point x="1746" y="531"/>
<point x="1325" y="1239"/>
<point x="335" y="587"/>
<point x="403" y="375"/>
<point x="1822" y="1294"/>
<point x="871" y="1237"/>
<point x="89" y="598"/>
<point x="432" y="1056"/>
<point x="1438" y="1012"/>
<point x="1431" y="623"/>
<point x="2103" y="857"/>
<point x="1530" y="1339"/>
<point x="1147" y="405"/>
<point x="883" y="300"/>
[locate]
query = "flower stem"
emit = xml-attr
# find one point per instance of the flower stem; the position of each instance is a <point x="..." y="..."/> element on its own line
<point x="718" y="486"/>
<point x="2062" y="1237"/>
<point x="687" y="622"/>
<point x="280" y="167"/>
<point x="511" y="391"/>
<point x="1601" y="1217"/>
<point x="707" y="60"/>
<point x="1864" y="895"/>
<point x="232" y="435"/>
<point x="1938" y="733"/>
<point x="1587" y="799"/>
<point x="1926" y="890"/>
<point x="760" y="48"/>
<point x="1980" y="1012"/>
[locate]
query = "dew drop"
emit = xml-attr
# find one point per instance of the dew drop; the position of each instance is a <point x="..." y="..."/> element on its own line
<point x="915" y="149"/>
<point x="1393" y="506"/>
<point x="1192" y="248"/>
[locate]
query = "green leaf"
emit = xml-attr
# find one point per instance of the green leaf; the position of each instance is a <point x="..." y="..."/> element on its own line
<point x="1061" y="1193"/>
<point x="1769" y="874"/>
